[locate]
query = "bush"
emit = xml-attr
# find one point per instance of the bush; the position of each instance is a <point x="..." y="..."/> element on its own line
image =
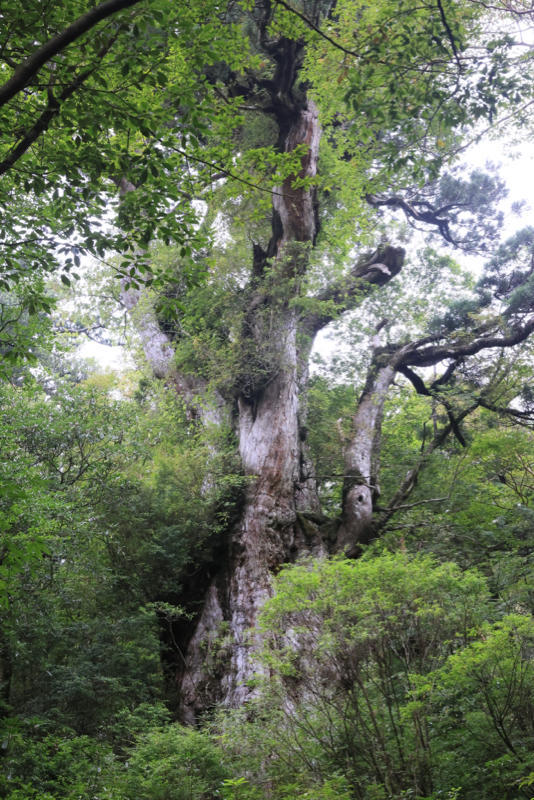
<point x="387" y="680"/>
<point x="174" y="763"/>
<point x="40" y="766"/>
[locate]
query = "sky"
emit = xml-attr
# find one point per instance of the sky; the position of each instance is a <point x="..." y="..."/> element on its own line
<point x="517" y="169"/>
<point x="113" y="358"/>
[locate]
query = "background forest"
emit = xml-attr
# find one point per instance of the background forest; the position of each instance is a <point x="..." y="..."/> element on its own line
<point x="258" y="563"/>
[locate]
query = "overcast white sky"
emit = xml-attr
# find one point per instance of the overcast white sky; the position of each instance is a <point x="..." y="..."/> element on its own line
<point x="517" y="169"/>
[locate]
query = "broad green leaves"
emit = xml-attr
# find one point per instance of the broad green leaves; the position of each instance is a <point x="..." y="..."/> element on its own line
<point x="128" y="100"/>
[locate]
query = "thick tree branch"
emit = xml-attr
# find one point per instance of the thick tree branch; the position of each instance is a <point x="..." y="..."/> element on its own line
<point x="446" y="376"/>
<point x="29" y="68"/>
<point x="376" y="270"/>
<point x="359" y="524"/>
<point x="417" y="382"/>
<point x="420" y="212"/>
<point x="428" y="357"/>
<point x="520" y="417"/>
<point x="52" y="110"/>
<point x="421" y="356"/>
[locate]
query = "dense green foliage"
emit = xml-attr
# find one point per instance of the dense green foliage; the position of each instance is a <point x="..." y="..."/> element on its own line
<point x="404" y="675"/>
<point x="150" y="96"/>
<point x="394" y="681"/>
<point x="407" y="672"/>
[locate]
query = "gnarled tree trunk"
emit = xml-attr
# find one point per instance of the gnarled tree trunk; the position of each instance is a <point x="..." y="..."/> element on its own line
<point x="278" y="518"/>
<point x="271" y="436"/>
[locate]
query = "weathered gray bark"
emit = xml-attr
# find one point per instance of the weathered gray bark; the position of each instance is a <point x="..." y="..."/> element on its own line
<point x="270" y="428"/>
<point x="267" y="535"/>
<point x="360" y="520"/>
<point x="156" y="345"/>
<point x="278" y="519"/>
<point x="361" y="458"/>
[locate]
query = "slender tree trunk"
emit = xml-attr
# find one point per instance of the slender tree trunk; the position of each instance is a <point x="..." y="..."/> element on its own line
<point x="361" y="488"/>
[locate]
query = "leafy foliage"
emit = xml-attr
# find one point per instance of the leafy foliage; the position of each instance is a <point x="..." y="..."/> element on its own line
<point x="401" y="674"/>
<point x="174" y="764"/>
<point x="388" y="680"/>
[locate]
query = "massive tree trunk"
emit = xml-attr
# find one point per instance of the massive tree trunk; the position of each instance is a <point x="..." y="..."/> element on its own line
<point x="271" y="434"/>
<point x="278" y="520"/>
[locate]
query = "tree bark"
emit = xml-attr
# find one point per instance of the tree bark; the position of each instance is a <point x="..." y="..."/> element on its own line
<point x="276" y="521"/>
<point x="278" y="518"/>
<point x="360" y="488"/>
<point x="271" y="433"/>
